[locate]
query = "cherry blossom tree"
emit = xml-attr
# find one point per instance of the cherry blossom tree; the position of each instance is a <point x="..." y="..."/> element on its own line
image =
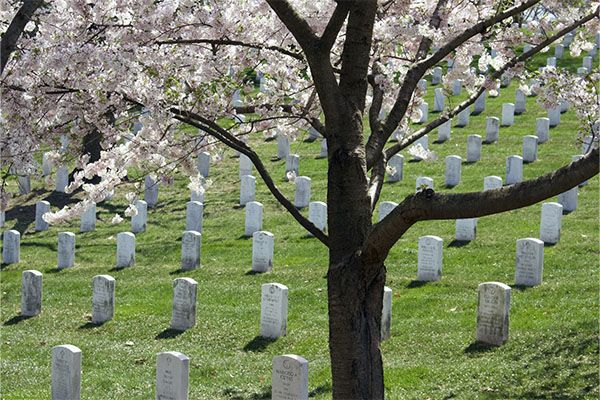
<point x="348" y="69"/>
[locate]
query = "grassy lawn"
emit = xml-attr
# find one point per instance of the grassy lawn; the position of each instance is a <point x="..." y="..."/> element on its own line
<point x="553" y="347"/>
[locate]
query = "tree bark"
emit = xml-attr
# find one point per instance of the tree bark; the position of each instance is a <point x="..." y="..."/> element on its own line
<point x="15" y="29"/>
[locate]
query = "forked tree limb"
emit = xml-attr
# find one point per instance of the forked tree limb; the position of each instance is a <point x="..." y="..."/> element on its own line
<point x="15" y="30"/>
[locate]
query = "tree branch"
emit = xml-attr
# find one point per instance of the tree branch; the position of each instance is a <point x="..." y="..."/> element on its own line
<point x="295" y="23"/>
<point x="15" y="29"/>
<point x="428" y="205"/>
<point x="334" y="25"/>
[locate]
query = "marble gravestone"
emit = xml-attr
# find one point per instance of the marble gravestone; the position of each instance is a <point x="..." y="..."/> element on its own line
<point x="439" y="100"/>
<point x="424" y="142"/>
<point x="273" y="310"/>
<point x="191" y="247"/>
<point x="508" y="114"/>
<point x="456" y="87"/>
<point x="66" y="250"/>
<point x="62" y="179"/>
<point x="463" y="117"/>
<point x="530" y="143"/>
<point x="203" y="164"/>
<point x="424" y="113"/>
<point x="386" y="314"/>
<point x="386" y="207"/>
<point x="184" y="304"/>
<point x="262" y="251"/>
<point x="88" y="218"/>
<point x="558" y="51"/>
<point x="317" y="214"/>
<point x="151" y="191"/>
<point x="436" y="76"/>
<point x="247" y="189"/>
<point x="125" y="250"/>
<point x="493" y="306"/>
<point x="492" y="182"/>
<point x="289" y="380"/>
<point x="66" y="372"/>
<point x="424" y="182"/>
<point x="396" y="164"/>
<point x="193" y="216"/>
<point x="11" y="247"/>
<point x="31" y="293"/>
<point x="422" y="85"/>
<point x="246" y="165"/>
<point x="253" y="218"/>
<point x="473" y="148"/>
<point x="283" y="146"/>
<point x="41" y="207"/>
<point x="430" y="258"/>
<point x="520" y="102"/>
<point x="479" y="105"/>
<point x="529" y="262"/>
<point x="492" y="126"/>
<point x="2" y="218"/>
<point x="139" y="221"/>
<point x="465" y="229"/>
<point x="172" y="376"/>
<point x="568" y="199"/>
<point x="542" y="129"/>
<point x="551" y="62"/>
<point x="551" y="222"/>
<point x="302" y="194"/>
<point x="46" y="164"/>
<point x="323" y="152"/>
<point x="292" y="162"/>
<point x="197" y="195"/>
<point x="554" y="116"/>
<point x="444" y="131"/>
<point x="587" y="63"/>
<point x="514" y="169"/>
<point x="103" y="298"/>
<point x="453" y="170"/>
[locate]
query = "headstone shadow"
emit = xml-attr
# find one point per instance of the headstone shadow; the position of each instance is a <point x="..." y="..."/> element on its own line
<point x="550" y="244"/>
<point x="458" y="243"/>
<point x="236" y="394"/>
<point x="168" y="333"/>
<point x="244" y="237"/>
<point x="16" y="319"/>
<point x="520" y="288"/>
<point x="479" y="347"/>
<point x="91" y="325"/>
<point x="178" y="271"/>
<point x="414" y="160"/>
<point x="252" y="272"/>
<point x="258" y="344"/>
<point x="416" y="284"/>
<point x="439" y="141"/>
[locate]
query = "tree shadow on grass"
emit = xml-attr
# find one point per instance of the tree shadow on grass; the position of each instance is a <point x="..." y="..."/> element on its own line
<point x="416" y="284"/>
<point x="458" y="243"/>
<point x="16" y="319"/>
<point x="479" y="347"/>
<point x="258" y="344"/>
<point x="168" y="333"/>
<point x="25" y="215"/>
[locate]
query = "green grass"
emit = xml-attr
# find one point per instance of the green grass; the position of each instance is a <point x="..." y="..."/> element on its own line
<point x="552" y="351"/>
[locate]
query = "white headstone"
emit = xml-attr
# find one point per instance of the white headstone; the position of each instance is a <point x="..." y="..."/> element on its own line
<point x="254" y="218"/>
<point x="564" y="106"/>
<point x="151" y="191"/>
<point x="550" y="222"/>
<point x="582" y="71"/>
<point x="2" y="218"/>
<point x="11" y="247"/>
<point x="424" y="182"/>
<point x="463" y="117"/>
<point x="492" y="182"/>
<point x="589" y="143"/>
<point x="554" y="116"/>
<point x="453" y="170"/>
<point x="422" y="84"/>
<point x="197" y="195"/>
<point x="292" y="163"/>
<point x="386" y="207"/>
<point x="473" y="148"/>
<point x="444" y="131"/>
<point x="530" y="148"/>
<point x="139" y="221"/>
<point x="103" y="298"/>
<point x="313" y="134"/>
<point x="246" y="165"/>
<point x="530" y="262"/>
<point x="172" y="376"/>
<point x="505" y="80"/>
<point x="273" y="310"/>
<point x="493" y="305"/>
<point x="508" y="114"/>
<point x="424" y="142"/>
<point x="323" y="153"/>
<point x="424" y="113"/>
<point x="302" y="195"/>
<point x="203" y="165"/>
<point x="317" y="214"/>
<point x="193" y="216"/>
<point x="62" y="179"/>
<point x="237" y="99"/>
<point x="247" y="189"/>
<point x="479" y="105"/>
<point x="191" y="247"/>
<point x="466" y="229"/>
<point x="66" y="372"/>
<point x="283" y="146"/>
<point x="386" y="314"/>
<point x="587" y="63"/>
<point x="46" y="164"/>
<point x="289" y="378"/>
<point x="66" y="250"/>
<point x="439" y="100"/>
<point x="262" y="251"/>
<point x="184" y="304"/>
<point x="527" y="47"/>
<point x="31" y="293"/>
<point x="430" y="258"/>
<point x="24" y="182"/>
<point x="125" y="250"/>
<point x="396" y="163"/>
<point x="551" y="62"/>
<point x="88" y="218"/>
<point x="542" y="129"/>
<point x="514" y="169"/>
<point x="436" y="76"/>
<point x="41" y="207"/>
<point x="568" y="199"/>
<point x="456" y="87"/>
<point x="520" y="102"/>
<point x="492" y="126"/>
